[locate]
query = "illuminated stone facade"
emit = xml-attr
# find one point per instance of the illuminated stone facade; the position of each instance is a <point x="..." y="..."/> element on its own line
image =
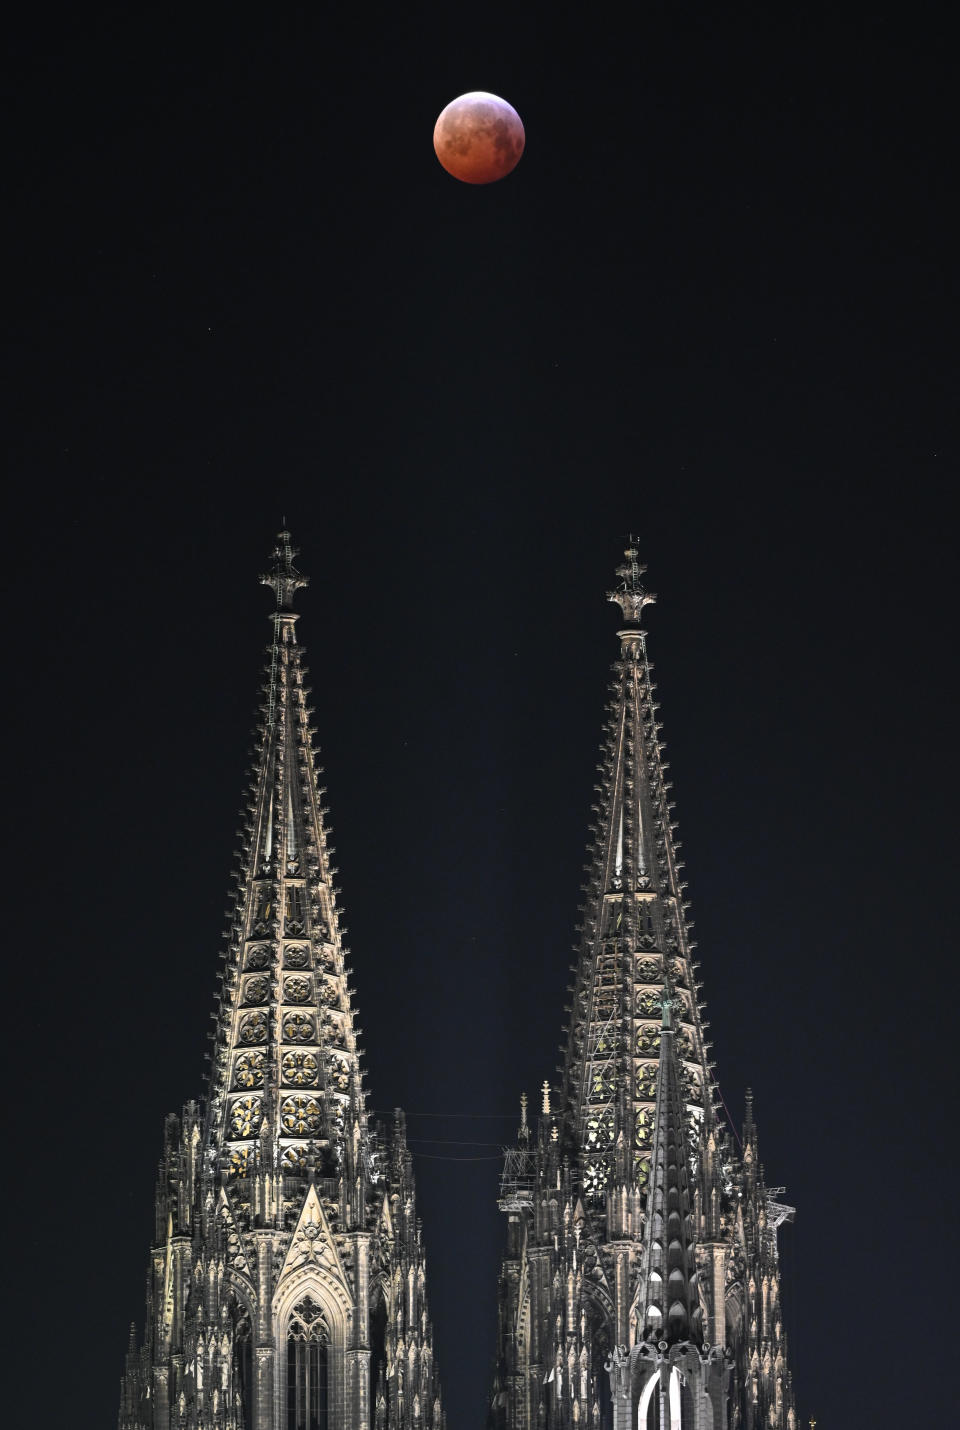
<point x="641" y="1286"/>
<point x="286" y="1282"/>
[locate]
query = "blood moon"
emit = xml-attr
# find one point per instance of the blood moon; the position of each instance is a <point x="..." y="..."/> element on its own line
<point x="479" y="138"/>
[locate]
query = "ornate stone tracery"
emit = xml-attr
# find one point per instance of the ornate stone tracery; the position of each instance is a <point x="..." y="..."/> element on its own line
<point x="262" y="1311"/>
<point x="631" y="1222"/>
<point x="300" y="1069"/>
<point x="246" y="1115"/>
<point x="249" y="1070"/>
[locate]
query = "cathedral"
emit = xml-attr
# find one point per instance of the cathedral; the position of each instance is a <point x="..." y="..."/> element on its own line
<point x="640" y="1286"/>
<point x="286" y="1281"/>
<point x="286" y="1284"/>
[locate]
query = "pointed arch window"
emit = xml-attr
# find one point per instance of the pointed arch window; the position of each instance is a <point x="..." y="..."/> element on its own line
<point x="308" y="1342"/>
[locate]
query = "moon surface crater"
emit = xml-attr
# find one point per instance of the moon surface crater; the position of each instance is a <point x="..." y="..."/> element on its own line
<point x="479" y="138"/>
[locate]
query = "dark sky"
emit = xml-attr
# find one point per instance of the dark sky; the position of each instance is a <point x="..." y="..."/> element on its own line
<point x="715" y="305"/>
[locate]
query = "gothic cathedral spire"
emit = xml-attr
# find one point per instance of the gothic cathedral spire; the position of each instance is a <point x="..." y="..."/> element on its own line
<point x="635" y="932"/>
<point x="286" y="1288"/>
<point x="640" y="1283"/>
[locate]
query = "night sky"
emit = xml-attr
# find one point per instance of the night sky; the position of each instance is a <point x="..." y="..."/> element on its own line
<point x="715" y="305"/>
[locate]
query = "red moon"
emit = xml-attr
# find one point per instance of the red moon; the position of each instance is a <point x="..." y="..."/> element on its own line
<point x="479" y="138"/>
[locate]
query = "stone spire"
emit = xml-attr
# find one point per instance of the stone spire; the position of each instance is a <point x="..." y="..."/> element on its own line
<point x="640" y="1282"/>
<point x="287" y="1281"/>
<point x="634" y="933"/>
<point x="286" y="1060"/>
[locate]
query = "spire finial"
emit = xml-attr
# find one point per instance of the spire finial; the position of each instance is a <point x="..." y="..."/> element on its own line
<point x="284" y="578"/>
<point x="630" y="596"/>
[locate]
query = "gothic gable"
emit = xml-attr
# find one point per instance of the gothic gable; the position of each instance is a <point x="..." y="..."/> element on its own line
<point x="313" y="1251"/>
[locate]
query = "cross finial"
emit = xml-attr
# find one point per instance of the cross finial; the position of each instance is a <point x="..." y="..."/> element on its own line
<point x="630" y="595"/>
<point x="284" y="579"/>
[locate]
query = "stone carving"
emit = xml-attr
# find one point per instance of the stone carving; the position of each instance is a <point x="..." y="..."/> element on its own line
<point x="300" y="1069"/>
<point x="256" y="989"/>
<point x="301" y="1116"/>
<point x="253" y="1029"/>
<point x="248" y="1070"/>
<point x="298" y="1028"/>
<point x="616" y="1367"/>
<point x="246" y="1115"/>
<point x="296" y="989"/>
